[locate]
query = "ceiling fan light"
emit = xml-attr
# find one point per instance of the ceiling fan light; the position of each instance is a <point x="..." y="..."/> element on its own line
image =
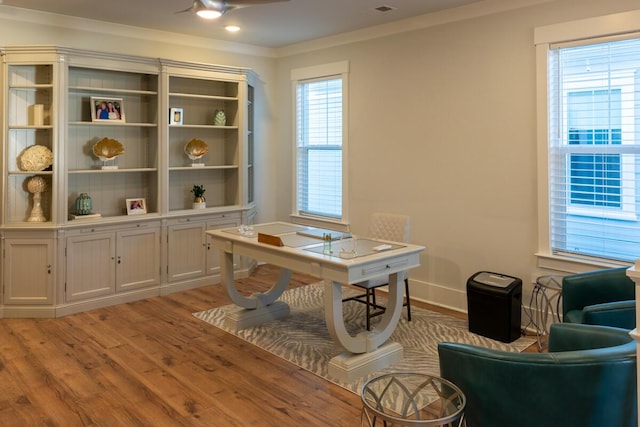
<point x="208" y="13"/>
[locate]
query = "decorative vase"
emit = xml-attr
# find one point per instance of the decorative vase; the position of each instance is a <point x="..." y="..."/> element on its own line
<point x="220" y="119"/>
<point x="199" y="205"/>
<point x="83" y="204"/>
<point x="37" y="185"/>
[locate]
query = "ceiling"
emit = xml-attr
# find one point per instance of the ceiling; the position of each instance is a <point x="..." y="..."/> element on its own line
<point x="269" y="25"/>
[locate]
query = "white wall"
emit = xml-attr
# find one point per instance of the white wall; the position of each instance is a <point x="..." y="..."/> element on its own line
<point x="442" y="127"/>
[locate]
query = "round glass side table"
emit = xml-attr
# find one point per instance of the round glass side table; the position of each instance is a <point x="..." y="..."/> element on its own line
<point x="410" y="399"/>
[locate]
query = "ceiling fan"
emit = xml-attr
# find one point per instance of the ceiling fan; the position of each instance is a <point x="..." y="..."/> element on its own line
<point x="211" y="9"/>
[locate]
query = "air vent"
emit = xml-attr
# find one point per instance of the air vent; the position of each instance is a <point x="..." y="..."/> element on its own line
<point x="384" y="8"/>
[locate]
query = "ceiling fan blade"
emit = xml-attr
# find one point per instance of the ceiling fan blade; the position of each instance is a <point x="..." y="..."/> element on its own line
<point x="224" y="5"/>
<point x="243" y="3"/>
<point x="186" y="10"/>
<point x="199" y="5"/>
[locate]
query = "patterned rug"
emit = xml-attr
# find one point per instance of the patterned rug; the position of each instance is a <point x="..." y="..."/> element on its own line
<point x="302" y="338"/>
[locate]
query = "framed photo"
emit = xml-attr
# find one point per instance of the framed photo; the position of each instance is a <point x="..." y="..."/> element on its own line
<point x="175" y="116"/>
<point x="107" y="109"/>
<point x="136" y="206"/>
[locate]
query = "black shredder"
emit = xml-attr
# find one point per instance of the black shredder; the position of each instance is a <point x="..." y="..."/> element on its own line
<point x="494" y="302"/>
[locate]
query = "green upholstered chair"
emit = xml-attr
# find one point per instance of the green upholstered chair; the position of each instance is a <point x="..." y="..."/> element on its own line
<point x="587" y="379"/>
<point x="601" y="297"/>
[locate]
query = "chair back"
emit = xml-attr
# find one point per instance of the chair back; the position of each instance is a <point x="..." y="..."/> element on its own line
<point x="581" y="386"/>
<point x="596" y="287"/>
<point x="388" y="226"/>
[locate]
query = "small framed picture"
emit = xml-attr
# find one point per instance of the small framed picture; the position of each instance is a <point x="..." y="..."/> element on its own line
<point x="136" y="206"/>
<point x="107" y="109"/>
<point x="175" y="116"/>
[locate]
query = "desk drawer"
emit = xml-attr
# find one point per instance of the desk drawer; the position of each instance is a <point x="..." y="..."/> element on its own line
<point x="384" y="267"/>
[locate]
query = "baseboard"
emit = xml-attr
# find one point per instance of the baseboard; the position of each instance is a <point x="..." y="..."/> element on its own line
<point x="456" y="300"/>
<point x="105" y="301"/>
<point x="185" y="285"/>
<point x="28" y="312"/>
<point x="441" y="296"/>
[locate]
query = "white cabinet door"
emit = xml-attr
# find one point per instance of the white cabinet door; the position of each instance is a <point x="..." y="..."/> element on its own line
<point x="137" y="258"/>
<point x="90" y="266"/>
<point x="28" y="271"/>
<point x="186" y="251"/>
<point x="213" y="254"/>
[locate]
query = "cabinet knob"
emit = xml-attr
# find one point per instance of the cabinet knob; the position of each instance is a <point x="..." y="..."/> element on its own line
<point x="119" y="260"/>
<point x="49" y="269"/>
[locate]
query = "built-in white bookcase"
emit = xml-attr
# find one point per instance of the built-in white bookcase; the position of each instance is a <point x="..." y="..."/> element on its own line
<point x="137" y="174"/>
<point x="200" y="98"/>
<point x="69" y="262"/>
<point x="28" y="85"/>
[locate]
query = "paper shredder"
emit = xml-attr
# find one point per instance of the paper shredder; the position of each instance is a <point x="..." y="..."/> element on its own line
<point x="494" y="304"/>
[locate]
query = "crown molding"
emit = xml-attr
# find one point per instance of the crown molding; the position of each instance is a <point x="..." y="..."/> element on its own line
<point x="101" y="27"/>
<point x="474" y="10"/>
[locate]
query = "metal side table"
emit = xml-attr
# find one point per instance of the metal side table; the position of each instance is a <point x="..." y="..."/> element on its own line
<point x="409" y="399"/>
<point x="545" y="306"/>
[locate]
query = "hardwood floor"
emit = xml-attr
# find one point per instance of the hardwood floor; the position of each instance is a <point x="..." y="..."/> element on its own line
<point x="151" y="363"/>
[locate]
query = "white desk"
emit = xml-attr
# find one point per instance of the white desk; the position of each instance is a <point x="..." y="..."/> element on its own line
<point x="368" y="351"/>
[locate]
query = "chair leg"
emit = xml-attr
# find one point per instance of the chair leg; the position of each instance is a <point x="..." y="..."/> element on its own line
<point x="368" y="316"/>
<point x="408" y="303"/>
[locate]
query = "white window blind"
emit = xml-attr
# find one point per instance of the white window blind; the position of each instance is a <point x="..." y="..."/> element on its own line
<point x="594" y="149"/>
<point x="319" y="130"/>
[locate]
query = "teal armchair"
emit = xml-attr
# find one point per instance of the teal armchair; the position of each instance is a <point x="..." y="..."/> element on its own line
<point x="601" y="297"/>
<point x="587" y="379"/>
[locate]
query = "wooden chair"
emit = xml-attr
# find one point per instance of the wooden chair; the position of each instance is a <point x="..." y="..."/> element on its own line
<point x="384" y="226"/>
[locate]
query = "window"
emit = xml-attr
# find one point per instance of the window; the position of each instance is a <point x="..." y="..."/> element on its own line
<point x="594" y="178"/>
<point x="593" y="113"/>
<point x="320" y="140"/>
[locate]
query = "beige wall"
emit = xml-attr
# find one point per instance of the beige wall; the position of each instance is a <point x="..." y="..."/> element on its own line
<point x="442" y="127"/>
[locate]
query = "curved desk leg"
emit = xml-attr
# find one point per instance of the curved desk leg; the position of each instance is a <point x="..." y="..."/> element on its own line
<point x="368" y="351"/>
<point x="259" y="307"/>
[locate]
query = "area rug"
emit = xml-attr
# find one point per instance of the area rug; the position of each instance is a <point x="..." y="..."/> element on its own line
<point x="302" y="338"/>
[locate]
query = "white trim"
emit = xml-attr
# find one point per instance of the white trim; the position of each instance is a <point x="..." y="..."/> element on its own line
<point x="544" y="238"/>
<point x="566" y="264"/>
<point x="601" y="26"/>
<point x="339" y="68"/>
<point x="318" y="71"/>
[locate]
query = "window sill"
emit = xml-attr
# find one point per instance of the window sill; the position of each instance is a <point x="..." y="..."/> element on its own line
<point x="319" y="222"/>
<point x="571" y="265"/>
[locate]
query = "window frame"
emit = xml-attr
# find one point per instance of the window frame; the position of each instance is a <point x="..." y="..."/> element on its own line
<point x="316" y="73"/>
<point x="617" y="26"/>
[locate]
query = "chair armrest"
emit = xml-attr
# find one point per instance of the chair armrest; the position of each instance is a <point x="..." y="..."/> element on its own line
<point x="573" y="337"/>
<point x="619" y="314"/>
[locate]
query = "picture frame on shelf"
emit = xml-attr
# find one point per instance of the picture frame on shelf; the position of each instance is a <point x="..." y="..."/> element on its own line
<point x="136" y="206"/>
<point x="176" y="116"/>
<point x="104" y="109"/>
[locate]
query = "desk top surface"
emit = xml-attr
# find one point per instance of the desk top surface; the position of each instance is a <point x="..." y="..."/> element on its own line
<point x="299" y="238"/>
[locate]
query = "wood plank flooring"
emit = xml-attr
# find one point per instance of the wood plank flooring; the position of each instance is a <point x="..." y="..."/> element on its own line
<point x="151" y="363"/>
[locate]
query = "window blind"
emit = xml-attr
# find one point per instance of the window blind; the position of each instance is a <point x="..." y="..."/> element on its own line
<point x="319" y="147"/>
<point x="594" y="149"/>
